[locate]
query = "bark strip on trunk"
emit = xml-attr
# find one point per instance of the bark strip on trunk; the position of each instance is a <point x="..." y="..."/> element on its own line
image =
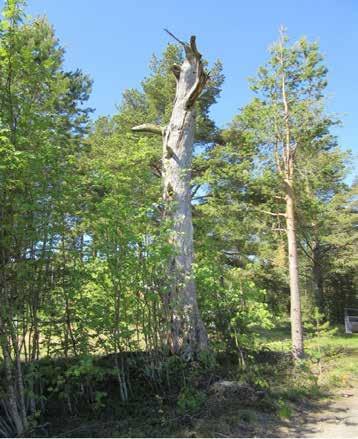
<point x="188" y="335"/>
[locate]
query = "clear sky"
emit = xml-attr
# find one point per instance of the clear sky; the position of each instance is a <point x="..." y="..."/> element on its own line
<point x="113" y="40"/>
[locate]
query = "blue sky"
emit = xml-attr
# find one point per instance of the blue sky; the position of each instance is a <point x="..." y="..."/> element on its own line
<point x="113" y="40"/>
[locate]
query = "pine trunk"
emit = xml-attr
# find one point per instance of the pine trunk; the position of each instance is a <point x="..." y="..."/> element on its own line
<point x="296" y="321"/>
<point x="187" y="334"/>
<point x="288" y="161"/>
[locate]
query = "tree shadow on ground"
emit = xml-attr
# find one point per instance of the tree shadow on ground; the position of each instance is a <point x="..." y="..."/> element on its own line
<point x="316" y="418"/>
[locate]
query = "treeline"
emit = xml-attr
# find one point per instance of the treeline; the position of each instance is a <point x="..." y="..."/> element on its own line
<point x="83" y="243"/>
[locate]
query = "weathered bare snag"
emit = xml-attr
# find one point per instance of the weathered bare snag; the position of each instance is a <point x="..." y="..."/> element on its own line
<point x="188" y="335"/>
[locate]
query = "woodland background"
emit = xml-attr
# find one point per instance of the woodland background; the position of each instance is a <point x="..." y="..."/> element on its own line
<point x="84" y="250"/>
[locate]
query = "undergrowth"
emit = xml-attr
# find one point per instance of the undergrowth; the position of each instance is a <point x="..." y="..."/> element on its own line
<point x="169" y="397"/>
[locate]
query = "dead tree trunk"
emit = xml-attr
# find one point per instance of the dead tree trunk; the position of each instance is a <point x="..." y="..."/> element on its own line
<point x="187" y="335"/>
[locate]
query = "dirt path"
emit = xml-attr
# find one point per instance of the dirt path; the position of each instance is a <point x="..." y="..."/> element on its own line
<point x="336" y="418"/>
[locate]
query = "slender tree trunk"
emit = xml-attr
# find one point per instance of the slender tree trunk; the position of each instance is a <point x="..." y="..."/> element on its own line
<point x="188" y="335"/>
<point x="317" y="275"/>
<point x="296" y="320"/>
<point x="12" y="401"/>
<point x="289" y="152"/>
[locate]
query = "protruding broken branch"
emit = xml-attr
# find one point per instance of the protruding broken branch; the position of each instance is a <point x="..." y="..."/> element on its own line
<point x="149" y="128"/>
<point x="170" y="153"/>
<point x="193" y="47"/>
<point x="176" y="70"/>
<point x="175" y="38"/>
<point x="198" y="86"/>
<point x="202" y="77"/>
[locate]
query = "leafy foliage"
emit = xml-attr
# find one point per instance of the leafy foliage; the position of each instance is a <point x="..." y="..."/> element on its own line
<point x="84" y="246"/>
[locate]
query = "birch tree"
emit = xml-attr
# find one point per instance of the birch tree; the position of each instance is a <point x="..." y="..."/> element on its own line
<point x="41" y="125"/>
<point x="187" y="333"/>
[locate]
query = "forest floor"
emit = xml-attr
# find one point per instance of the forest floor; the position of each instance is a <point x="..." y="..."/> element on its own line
<point x="337" y="415"/>
<point x="327" y="409"/>
<point x="316" y="398"/>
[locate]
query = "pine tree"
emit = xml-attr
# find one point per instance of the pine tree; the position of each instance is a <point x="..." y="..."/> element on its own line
<point x="284" y="124"/>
